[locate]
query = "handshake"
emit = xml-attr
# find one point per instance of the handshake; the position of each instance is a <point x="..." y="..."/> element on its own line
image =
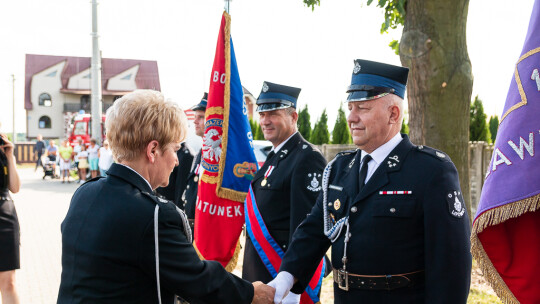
<point x="277" y="291"/>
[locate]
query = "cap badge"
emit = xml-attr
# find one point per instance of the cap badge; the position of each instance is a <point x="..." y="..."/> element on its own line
<point x="357" y="68"/>
<point x="265" y="87"/>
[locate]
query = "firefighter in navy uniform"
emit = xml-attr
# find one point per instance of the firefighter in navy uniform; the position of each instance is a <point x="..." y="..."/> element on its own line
<point x="189" y="197"/>
<point x="123" y="244"/>
<point x="287" y="185"/>
<point x="393" y="212"/>
<point x="179" y="177"/>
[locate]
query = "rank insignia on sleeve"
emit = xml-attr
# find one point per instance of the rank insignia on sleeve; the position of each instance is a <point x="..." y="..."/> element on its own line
<point x="314" y="184"/>
<point x="456" y="205"/>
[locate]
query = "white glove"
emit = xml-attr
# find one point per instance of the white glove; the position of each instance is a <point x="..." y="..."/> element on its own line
<point x="283" y="282"/>
<point x="291" y="298"/>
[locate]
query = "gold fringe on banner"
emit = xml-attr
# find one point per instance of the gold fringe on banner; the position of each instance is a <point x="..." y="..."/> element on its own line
<point x="226" y="193"/>
<point x="234" y="260"/>
<point x="493" y="217"/>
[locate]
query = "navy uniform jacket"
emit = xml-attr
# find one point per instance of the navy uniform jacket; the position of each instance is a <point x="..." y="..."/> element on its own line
<point x="179" y="177"/>
<point x="288" y="196"/>
<point x="392" y="234"/>
<point x="190" y="194"/>
<point x="108" y="249"/>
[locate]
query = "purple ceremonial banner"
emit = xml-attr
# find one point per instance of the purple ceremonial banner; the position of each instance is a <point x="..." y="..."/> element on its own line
<point x="514" y="171"/>
<point x="505" y="238"/>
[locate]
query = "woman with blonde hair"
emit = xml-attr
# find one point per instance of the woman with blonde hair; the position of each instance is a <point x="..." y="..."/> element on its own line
<point x="121" y="243"/>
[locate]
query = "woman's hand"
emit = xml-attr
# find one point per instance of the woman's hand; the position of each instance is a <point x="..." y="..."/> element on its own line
<point x="8" y="146"/>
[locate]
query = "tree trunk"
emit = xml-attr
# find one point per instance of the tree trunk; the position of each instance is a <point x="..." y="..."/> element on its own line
<point x="434" y="47"/>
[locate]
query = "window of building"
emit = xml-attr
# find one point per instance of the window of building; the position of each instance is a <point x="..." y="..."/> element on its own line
<point x="44" y="122"/>
<point x="45" y="100"/>
<point x="85" y="103"/>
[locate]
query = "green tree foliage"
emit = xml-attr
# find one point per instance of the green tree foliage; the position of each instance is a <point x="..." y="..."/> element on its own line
<point x="404" y="127"/>
<point x="341" y="133"/>
<point x="253" y="125"/>
<point x="258" y="134"/>
<point x="320" y="134"/>
<point x="304" y="124"/>
<point x="493" y="127"/>
<point x="478" y="127"/>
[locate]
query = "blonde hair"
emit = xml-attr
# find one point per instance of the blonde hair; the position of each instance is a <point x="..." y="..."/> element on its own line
<point x="140" y="117"/>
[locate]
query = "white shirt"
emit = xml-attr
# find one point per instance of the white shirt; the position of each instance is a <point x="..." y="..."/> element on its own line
<point x="138" y="175"/>
<point x="92" y="152"/>
<point x="380" y="154"/>
<point x="105" y="158"/>
<point x="276" y="149"/>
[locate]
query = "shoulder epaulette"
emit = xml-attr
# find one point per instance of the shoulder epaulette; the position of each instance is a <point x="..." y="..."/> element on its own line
<point x="347" y="152"/>
<point x="434" y="153"/>
<point x="93" y="179"/>
<point x="155" y="198"/>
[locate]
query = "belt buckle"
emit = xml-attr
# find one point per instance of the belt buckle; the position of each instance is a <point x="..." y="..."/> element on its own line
<point x="343" y="279"/>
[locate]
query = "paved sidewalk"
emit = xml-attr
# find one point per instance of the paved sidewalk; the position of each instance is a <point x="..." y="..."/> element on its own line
<point x="41" y="206"/>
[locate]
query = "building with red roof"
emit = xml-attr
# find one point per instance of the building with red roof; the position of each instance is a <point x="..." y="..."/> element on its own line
<point x="57" y="87"/>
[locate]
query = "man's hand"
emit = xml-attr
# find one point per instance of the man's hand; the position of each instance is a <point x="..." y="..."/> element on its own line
<point x="282" y="283"/>
<point x="263" y="294"/>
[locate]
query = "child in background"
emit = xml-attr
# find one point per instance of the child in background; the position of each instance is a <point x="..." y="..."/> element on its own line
<point x="83" y="162"/>
<point x="65" y="152"/>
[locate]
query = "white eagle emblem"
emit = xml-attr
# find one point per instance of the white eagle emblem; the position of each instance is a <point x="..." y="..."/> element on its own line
<point x="211" y="147"/>
<point x="357" y="68"/>
<point x="265" y="87"/>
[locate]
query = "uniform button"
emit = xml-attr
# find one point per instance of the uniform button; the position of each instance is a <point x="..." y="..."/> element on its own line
<point x="393" y="210"/>
<point x="187" y="187"/>
<point x="329" y="204"/>
<point x="354" y="209"/>
<point x="284" y="246"/>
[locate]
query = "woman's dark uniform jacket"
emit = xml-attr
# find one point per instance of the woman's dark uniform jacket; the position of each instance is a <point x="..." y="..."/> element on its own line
<point x="108" y="249"/>
<point x="286" y="198"/>
<point x="392" y="234"/>
<point x="179" y="177"/>
<point x="190" y="194"/>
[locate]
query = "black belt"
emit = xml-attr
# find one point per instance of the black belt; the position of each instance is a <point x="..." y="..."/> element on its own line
<point x="346" y="280"/>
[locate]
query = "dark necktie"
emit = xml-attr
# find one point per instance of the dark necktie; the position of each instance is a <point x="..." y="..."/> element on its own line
<point x="272" y="153"/>
<point x="363" y="171"/>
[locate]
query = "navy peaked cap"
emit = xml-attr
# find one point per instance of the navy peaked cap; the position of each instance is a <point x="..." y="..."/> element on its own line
<point x="202" y="104"/>
<point x="372" y="80"/>
<point x="276" y="96"/>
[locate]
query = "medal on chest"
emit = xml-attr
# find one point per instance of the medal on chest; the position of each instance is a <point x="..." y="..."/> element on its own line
<point x="197" y="169"/>
<point x="266" y="174"/>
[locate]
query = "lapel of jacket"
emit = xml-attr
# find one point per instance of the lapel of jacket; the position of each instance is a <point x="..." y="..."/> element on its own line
<point x="282" y="154"/>
<point x="349" y="181"/>
<point x="392" y="163"/>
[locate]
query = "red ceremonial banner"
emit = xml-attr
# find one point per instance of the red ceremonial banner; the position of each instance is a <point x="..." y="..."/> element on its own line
<point x="228" y="161"/>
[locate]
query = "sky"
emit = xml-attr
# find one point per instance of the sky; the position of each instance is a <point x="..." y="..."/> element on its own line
<point x="280" y="41"/>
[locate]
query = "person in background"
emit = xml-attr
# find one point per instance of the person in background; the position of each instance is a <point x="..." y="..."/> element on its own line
<point x="76" y="151"/>
<point x="105" y="158"/>
<point x="9" y="223"/>
<point x="189" y="197"/>
<point x="93" y="158"/>
<point x="285" y="188"/>
<point x="83" y="163"/>
<point x="52" y="153"/>
<point x="133" y="246"/>
<point x="39" y="149"/>
<point x="65" y="152"/>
